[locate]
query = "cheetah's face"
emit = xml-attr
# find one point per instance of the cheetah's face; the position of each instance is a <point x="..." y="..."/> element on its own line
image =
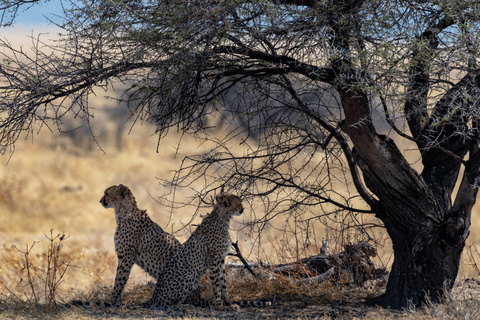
<point x="231" y="204"/>
<point x="113" y="196"/>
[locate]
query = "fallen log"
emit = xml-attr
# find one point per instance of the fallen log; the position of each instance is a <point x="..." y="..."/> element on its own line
<point x="317" y="279"/>
<point x="352" y="265"/>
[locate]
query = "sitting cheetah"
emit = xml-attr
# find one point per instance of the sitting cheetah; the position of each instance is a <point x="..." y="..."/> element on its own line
<point x="206" y="248"/>
<point x="137" y="239"/>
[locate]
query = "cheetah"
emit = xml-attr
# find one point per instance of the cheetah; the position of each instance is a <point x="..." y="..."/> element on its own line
<point x="138" y="240"/>
<point x="205" y="249"/>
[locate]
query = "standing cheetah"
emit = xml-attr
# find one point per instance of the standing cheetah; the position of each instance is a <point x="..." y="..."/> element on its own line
<point x="206" y="248"/>
<point x="137" y="239"/>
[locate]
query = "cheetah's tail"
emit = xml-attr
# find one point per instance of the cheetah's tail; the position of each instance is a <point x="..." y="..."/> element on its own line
<point x="255" y="303"/>
<point x="79" y="303"/>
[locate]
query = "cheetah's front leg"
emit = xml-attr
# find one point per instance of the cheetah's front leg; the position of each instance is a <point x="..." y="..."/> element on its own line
<point x="124" y="268"/>
<point x="219" y="286"/>
<point x="223" y="284"/>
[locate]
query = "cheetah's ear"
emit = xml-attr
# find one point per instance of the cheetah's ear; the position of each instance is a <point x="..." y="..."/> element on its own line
<point x="123" y="190"/>
<point x="223" y="200"/>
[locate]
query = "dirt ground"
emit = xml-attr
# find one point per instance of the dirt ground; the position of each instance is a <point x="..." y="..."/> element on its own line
<point x="463" y="303"/>
<point x="287" y="307"/>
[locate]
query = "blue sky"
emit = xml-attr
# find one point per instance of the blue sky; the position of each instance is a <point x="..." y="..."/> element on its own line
<point x="35" y="17"/>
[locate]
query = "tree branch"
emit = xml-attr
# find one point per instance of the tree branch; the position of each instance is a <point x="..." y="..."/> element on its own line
<point x="239" y="255"/>
<point x="285" y="64"/>
<point x="446" y="137"/>
<point x="364" y="193"/>
<point x="419" y="74"/>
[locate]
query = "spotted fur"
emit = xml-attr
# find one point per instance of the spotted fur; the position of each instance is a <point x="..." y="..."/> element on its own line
<point x="206" y="248"/>
<point x="138" y="240"/>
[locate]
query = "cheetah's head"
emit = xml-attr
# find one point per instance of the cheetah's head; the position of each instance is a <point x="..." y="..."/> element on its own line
<point x="115" y="196"/>
<point x="230" y="204"/>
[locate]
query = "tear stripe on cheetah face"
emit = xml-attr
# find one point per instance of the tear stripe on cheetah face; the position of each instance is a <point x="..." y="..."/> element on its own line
<point x="138" y="240"/>
<point x="206" y="248"/>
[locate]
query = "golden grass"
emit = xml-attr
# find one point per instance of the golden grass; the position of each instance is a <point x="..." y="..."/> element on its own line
<point x="55" y="185"/>
<point x="52" y="183"/>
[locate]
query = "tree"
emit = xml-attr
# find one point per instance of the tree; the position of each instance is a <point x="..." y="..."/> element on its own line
<point x="294" y="79"/>
<point x="11" y="9"/>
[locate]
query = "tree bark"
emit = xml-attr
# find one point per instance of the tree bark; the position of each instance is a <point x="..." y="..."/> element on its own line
<point x="425" y="267"/>
<point x="428" y="236"/>
<point x="427" y="233"/>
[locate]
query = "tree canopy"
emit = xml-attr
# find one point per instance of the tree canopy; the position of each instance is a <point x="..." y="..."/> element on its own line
<point x="317" y="93"/>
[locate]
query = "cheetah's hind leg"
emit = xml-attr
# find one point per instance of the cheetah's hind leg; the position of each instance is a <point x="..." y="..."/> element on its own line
<point x="151" y="305"/>
<point x="195" y="299"/>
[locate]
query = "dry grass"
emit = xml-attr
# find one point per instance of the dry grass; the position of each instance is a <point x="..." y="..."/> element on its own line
<point x="55" y="185"/>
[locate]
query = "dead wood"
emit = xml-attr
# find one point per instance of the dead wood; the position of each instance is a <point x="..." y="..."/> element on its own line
<point x="352" y="265"/>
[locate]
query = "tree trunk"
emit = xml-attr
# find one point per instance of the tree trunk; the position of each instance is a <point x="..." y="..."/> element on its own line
<point x="428" y="233"/>
<point x="425" y="265"/>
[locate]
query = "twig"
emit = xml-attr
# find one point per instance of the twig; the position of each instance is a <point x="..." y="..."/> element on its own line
<point x="318" y="279"/>
<point x="10" y="291"/>
<point x="242" y="259"/>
